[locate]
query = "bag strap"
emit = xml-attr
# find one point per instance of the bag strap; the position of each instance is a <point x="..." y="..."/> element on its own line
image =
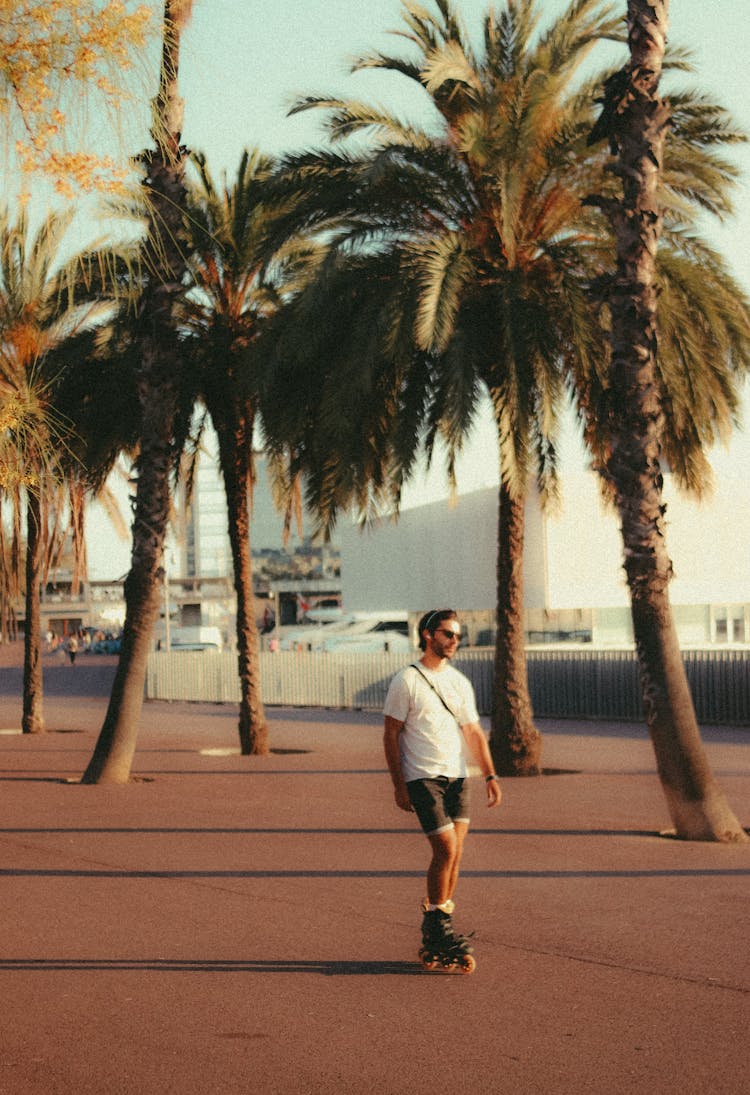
<point x="437" y="692"/>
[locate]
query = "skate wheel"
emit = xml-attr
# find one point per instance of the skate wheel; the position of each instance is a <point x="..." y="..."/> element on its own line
<point x="427" y="960"/>
<point x="467" y="963"/>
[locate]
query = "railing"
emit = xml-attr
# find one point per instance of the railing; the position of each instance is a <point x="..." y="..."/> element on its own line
<point x="564" y="683"/>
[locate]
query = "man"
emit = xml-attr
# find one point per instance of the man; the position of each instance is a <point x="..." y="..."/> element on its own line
<point x="430" y="714"/>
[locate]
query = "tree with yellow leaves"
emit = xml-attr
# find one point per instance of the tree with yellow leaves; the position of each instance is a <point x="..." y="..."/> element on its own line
<point x="56" y="58"/>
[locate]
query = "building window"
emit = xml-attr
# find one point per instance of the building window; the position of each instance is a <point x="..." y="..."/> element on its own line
<point x="730" y="623"/>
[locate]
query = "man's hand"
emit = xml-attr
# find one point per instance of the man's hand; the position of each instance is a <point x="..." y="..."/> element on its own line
<point x="477" y="742"/>
<point x="393" y="728"/>
<point x="402" y="800"/>
<point x="494" y="793"/>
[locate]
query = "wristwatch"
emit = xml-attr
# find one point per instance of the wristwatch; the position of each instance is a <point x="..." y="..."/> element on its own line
<point x="488" y="779"/>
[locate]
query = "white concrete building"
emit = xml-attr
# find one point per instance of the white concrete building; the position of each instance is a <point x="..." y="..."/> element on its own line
<point x="444" y="553"/>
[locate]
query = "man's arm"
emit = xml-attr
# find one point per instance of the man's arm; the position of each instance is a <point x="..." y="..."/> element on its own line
<point x="475" y="738"/>
<point x="393" y="758"/>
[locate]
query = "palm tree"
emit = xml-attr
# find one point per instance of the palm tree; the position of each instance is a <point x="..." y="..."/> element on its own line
<point x="24" y="432"/>
<point x="496" y="281"/>
<point x="494" y="255"/>
<point x="236" y="292"/>
<point x="41" y="315"/>
<point x="635" y="120"/>
<point x="158" y="388"/>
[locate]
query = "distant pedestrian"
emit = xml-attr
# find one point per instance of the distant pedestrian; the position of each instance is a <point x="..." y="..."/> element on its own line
<point x="72" y="649"/>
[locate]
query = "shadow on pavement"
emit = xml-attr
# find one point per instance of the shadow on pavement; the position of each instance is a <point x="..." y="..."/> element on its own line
<point x="202" y="965"/>
<point x="54" y="872"/>
<point x="211" y="830"/>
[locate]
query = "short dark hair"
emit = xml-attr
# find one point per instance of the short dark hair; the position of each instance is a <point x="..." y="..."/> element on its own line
<point x="431" y="621"/>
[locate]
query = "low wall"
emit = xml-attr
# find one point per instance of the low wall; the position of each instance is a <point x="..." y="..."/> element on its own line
<point x="564" y="683"/>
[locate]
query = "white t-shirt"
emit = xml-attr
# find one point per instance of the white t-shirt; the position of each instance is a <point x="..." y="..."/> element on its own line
<point x="431" y="742"/>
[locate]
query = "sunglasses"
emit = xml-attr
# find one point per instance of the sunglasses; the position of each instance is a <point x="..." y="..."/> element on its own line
<point x="448" y="634"/>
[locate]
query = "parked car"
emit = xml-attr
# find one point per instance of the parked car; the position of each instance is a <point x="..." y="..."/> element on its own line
<point x="365" y="630"/>
<point x="311" y="637"/>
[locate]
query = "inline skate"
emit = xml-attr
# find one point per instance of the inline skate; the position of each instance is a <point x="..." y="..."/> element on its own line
<point x="442" y="948"/>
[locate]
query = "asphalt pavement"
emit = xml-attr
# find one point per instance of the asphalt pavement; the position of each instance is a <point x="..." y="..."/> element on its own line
<point x="227" y="925"/>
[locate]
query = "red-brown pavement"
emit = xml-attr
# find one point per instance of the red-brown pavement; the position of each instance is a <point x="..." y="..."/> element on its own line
<point x="227" y="925"/>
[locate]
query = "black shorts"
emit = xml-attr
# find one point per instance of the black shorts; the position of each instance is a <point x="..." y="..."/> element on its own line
<point x="439" y="802"/>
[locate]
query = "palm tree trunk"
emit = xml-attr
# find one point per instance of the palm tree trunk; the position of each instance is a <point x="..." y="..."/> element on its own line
<point x="113" y="756"/>
<point x="515" y="742"/>
<point x="157" y="381"/>
<point x="235" y="449"/>
<point x="8" y="581"/>
<point x="697" y="806"/>
<point x="32" y="721"/>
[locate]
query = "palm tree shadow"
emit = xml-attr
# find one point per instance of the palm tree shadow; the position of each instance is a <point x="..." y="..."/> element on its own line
<point x="321" y="967"/>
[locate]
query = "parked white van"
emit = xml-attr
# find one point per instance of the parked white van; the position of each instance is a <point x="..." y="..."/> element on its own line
<point x="194" y="638"/>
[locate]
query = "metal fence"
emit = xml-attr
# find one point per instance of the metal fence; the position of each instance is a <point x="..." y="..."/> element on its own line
<point x="564" y="683"/>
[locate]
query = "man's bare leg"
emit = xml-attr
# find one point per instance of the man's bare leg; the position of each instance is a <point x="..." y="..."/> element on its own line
<point x="441" y="946"/>
<point x="460" y="829"/>
<point x="442" y="874"/>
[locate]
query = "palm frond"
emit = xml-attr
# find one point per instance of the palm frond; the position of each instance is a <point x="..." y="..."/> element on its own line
<point x="449" y="65"/>
<point x="441" y="267"/>
<point x="570" y="39"/>
<point x="377" y="60"/>
<point x="507" y="37"/>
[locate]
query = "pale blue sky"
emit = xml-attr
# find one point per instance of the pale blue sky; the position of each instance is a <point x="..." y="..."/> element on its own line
<point x="244" y="61"/>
